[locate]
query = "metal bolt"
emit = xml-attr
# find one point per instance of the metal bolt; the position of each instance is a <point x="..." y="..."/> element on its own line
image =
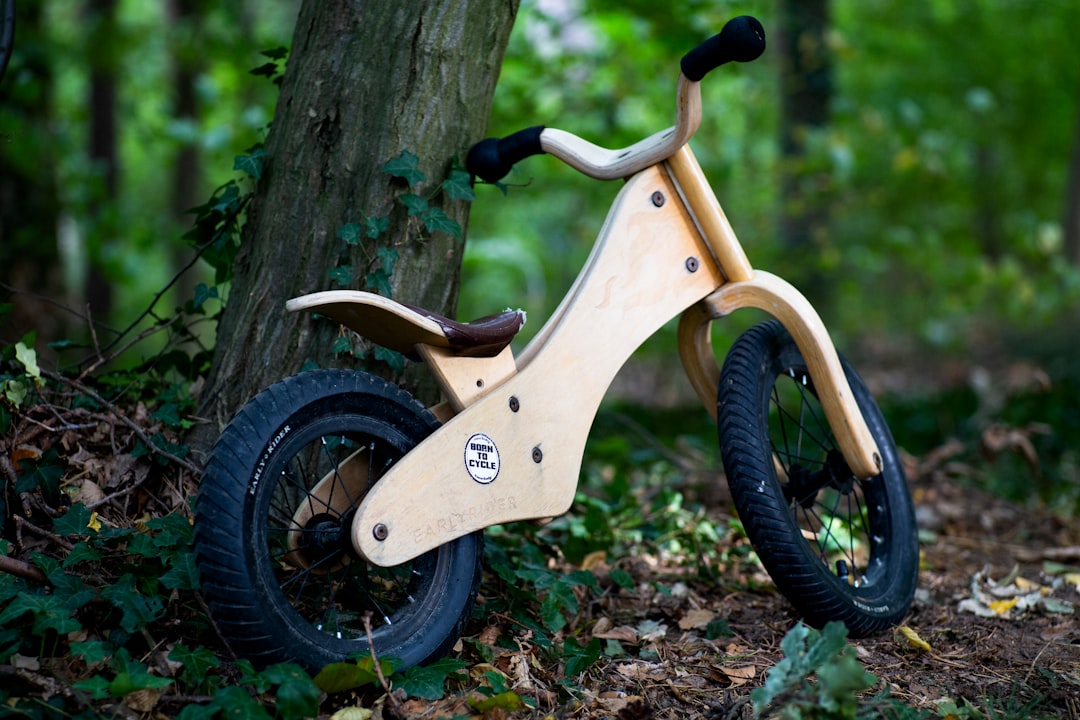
<point x="514" y="404"/>
<point x="658" y="199"/>
<point x="537" y="455"/>
<point x="692" y="264"/>
<point x="380" y="531"/>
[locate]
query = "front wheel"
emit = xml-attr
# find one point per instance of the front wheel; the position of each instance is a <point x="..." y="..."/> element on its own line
<point x="838" y="547"/>
<point x="272" y="530"/>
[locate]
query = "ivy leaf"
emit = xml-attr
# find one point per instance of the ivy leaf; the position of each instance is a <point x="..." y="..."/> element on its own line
<point x="43" y="474"/>
<point x="429" y="682"/>
<point x="91" y="651"/>
<point x="376" y="226"/>
<point x="341" y="275"/>
<point x="50" y="613"/>
<point x="137" y="609"/>
<point x="578" y="658"/>
<point x="338" y="677"/>
<point x="97" y="687"/>
<point x="202" y="294"/>
<point x="341" y="345"/>
<point x="458" y="186"/>
<point x="267" y="69"/>
<point x="350" y="233"/>
<point x="236" y="703"/>
<point x="435" y="220"/>
<point x="297" y="694"/>
<point x="407" y="167"/>
<point x="252" y="163"/>
<point x="183" y="575"/>
<point x="75" y="521"/>
<point x="391" y="357"/>
<point x="417" y="205"/>
<point x="379" y="281"/>
<point x="278" y="53"/>
<point x="388" y="256"/>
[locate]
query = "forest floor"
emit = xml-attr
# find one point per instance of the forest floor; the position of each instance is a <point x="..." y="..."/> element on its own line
<point x="992" y="633"/>
<point x="959" y="664"/>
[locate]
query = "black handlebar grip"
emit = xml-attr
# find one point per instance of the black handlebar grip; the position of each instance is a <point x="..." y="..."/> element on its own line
<point x="491" y="159"/>
<point x="742" y="39"/>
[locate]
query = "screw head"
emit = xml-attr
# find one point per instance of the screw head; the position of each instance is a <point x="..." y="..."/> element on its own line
<point x="692" y="264"/>
<point x="658" y="199"/>
<point x="537" y="454"/>
<point x="380" y="531"/>
<point x="515" y="405"/>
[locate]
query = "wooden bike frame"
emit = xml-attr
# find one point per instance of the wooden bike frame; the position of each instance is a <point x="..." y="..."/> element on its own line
<point x="514" y="430"/>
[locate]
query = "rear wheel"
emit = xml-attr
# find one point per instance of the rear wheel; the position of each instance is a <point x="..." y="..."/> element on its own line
<point x="838" y="547"/>
<point x="273" y="522"/>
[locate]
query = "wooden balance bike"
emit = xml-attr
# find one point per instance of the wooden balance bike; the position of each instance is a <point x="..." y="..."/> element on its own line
<point x="338" y="516"/>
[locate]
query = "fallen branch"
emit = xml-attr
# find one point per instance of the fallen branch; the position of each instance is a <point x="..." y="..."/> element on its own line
<point x="21" y="569"/>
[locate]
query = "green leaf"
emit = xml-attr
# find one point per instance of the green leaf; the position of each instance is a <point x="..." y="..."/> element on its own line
<point x="622" y="578"/>
<point x="341" y="345"/>
<point x="91" y="651"/>
<point x="268" y="69"/>
<point x="135" y="679"/>
<point x="50" y="613"/>
<point x="341" y="275"/>
<point x="350" y="233"/>
<point x="376" y="226"/>
<point x="28" y="358"/>
<point x="297" y="694"/>
<point x="339" y="677"/>
<point x="379" y="281"/>
<point x="388" y="257"/>
<point x="82" y="552"/>
<point x="202" y="294"/>
<point x="278" y="53"/>
<point x="508" y="701"/>
<point x="435" y="220"/>
<point x="252" y="164"/>
<point x="183" y="575"/>
<point x="43" y="474"/>
<point x="198" y="661"/>
<point x="429" y="682"/>
<point x="137" y="609"/>
<point x="74" y="522"/>
<point x="236" y="703"/>
<point x="407" y="167"/>
<point x="417" y="205"/>
<point x="391" y="357"/>
<point x="578" y="658"/>
<point x="458" y="186"/>
<point x="97" y="687"/>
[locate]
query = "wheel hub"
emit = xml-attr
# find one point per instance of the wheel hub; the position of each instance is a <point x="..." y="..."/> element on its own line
<point x="325" y="537"/>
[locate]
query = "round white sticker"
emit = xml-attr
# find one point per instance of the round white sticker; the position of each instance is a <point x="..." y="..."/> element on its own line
<point x="481" y="458"/>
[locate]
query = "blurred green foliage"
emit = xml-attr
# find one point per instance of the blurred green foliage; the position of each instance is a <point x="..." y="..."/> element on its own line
<point x="943" y="168"/>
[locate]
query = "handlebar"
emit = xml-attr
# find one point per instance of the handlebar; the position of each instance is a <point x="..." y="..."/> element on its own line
<point x="742" y="39"/>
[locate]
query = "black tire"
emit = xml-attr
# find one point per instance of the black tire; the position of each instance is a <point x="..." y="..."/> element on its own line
<point x="279" y="593"/>
<point x="837" y="547"/>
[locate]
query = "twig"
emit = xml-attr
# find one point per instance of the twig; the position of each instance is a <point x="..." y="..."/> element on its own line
<point x="394" y="703"/>
<point x="75" y="384"/>
<point x="21" y="569"/>
<point x="24" y="524"/>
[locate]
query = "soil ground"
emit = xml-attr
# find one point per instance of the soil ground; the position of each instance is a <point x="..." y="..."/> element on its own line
<point x="1009" y="665"/>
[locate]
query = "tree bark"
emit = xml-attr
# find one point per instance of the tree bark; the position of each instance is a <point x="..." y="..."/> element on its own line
<point x="365" y="81"/>
<point x="1072" y="200"/>
<point x="805" y="92"/>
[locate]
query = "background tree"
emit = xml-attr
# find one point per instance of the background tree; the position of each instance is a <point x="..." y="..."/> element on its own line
<point x="365" y="82"/>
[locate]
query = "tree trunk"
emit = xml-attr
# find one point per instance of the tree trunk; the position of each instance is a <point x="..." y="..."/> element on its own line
<point x="103" y="151"/>
<point x="805" y="92"/>
<point x="1072" y="200"/>
<point x="29" y="202"/>
<point x="365" y="81"/>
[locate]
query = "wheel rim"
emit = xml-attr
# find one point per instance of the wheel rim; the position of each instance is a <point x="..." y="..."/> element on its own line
<point x="842" y="518"/>
<point x="322" y="585"/>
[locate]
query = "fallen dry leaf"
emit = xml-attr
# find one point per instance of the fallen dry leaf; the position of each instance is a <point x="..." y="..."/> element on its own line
<point x="696" y="619"/>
